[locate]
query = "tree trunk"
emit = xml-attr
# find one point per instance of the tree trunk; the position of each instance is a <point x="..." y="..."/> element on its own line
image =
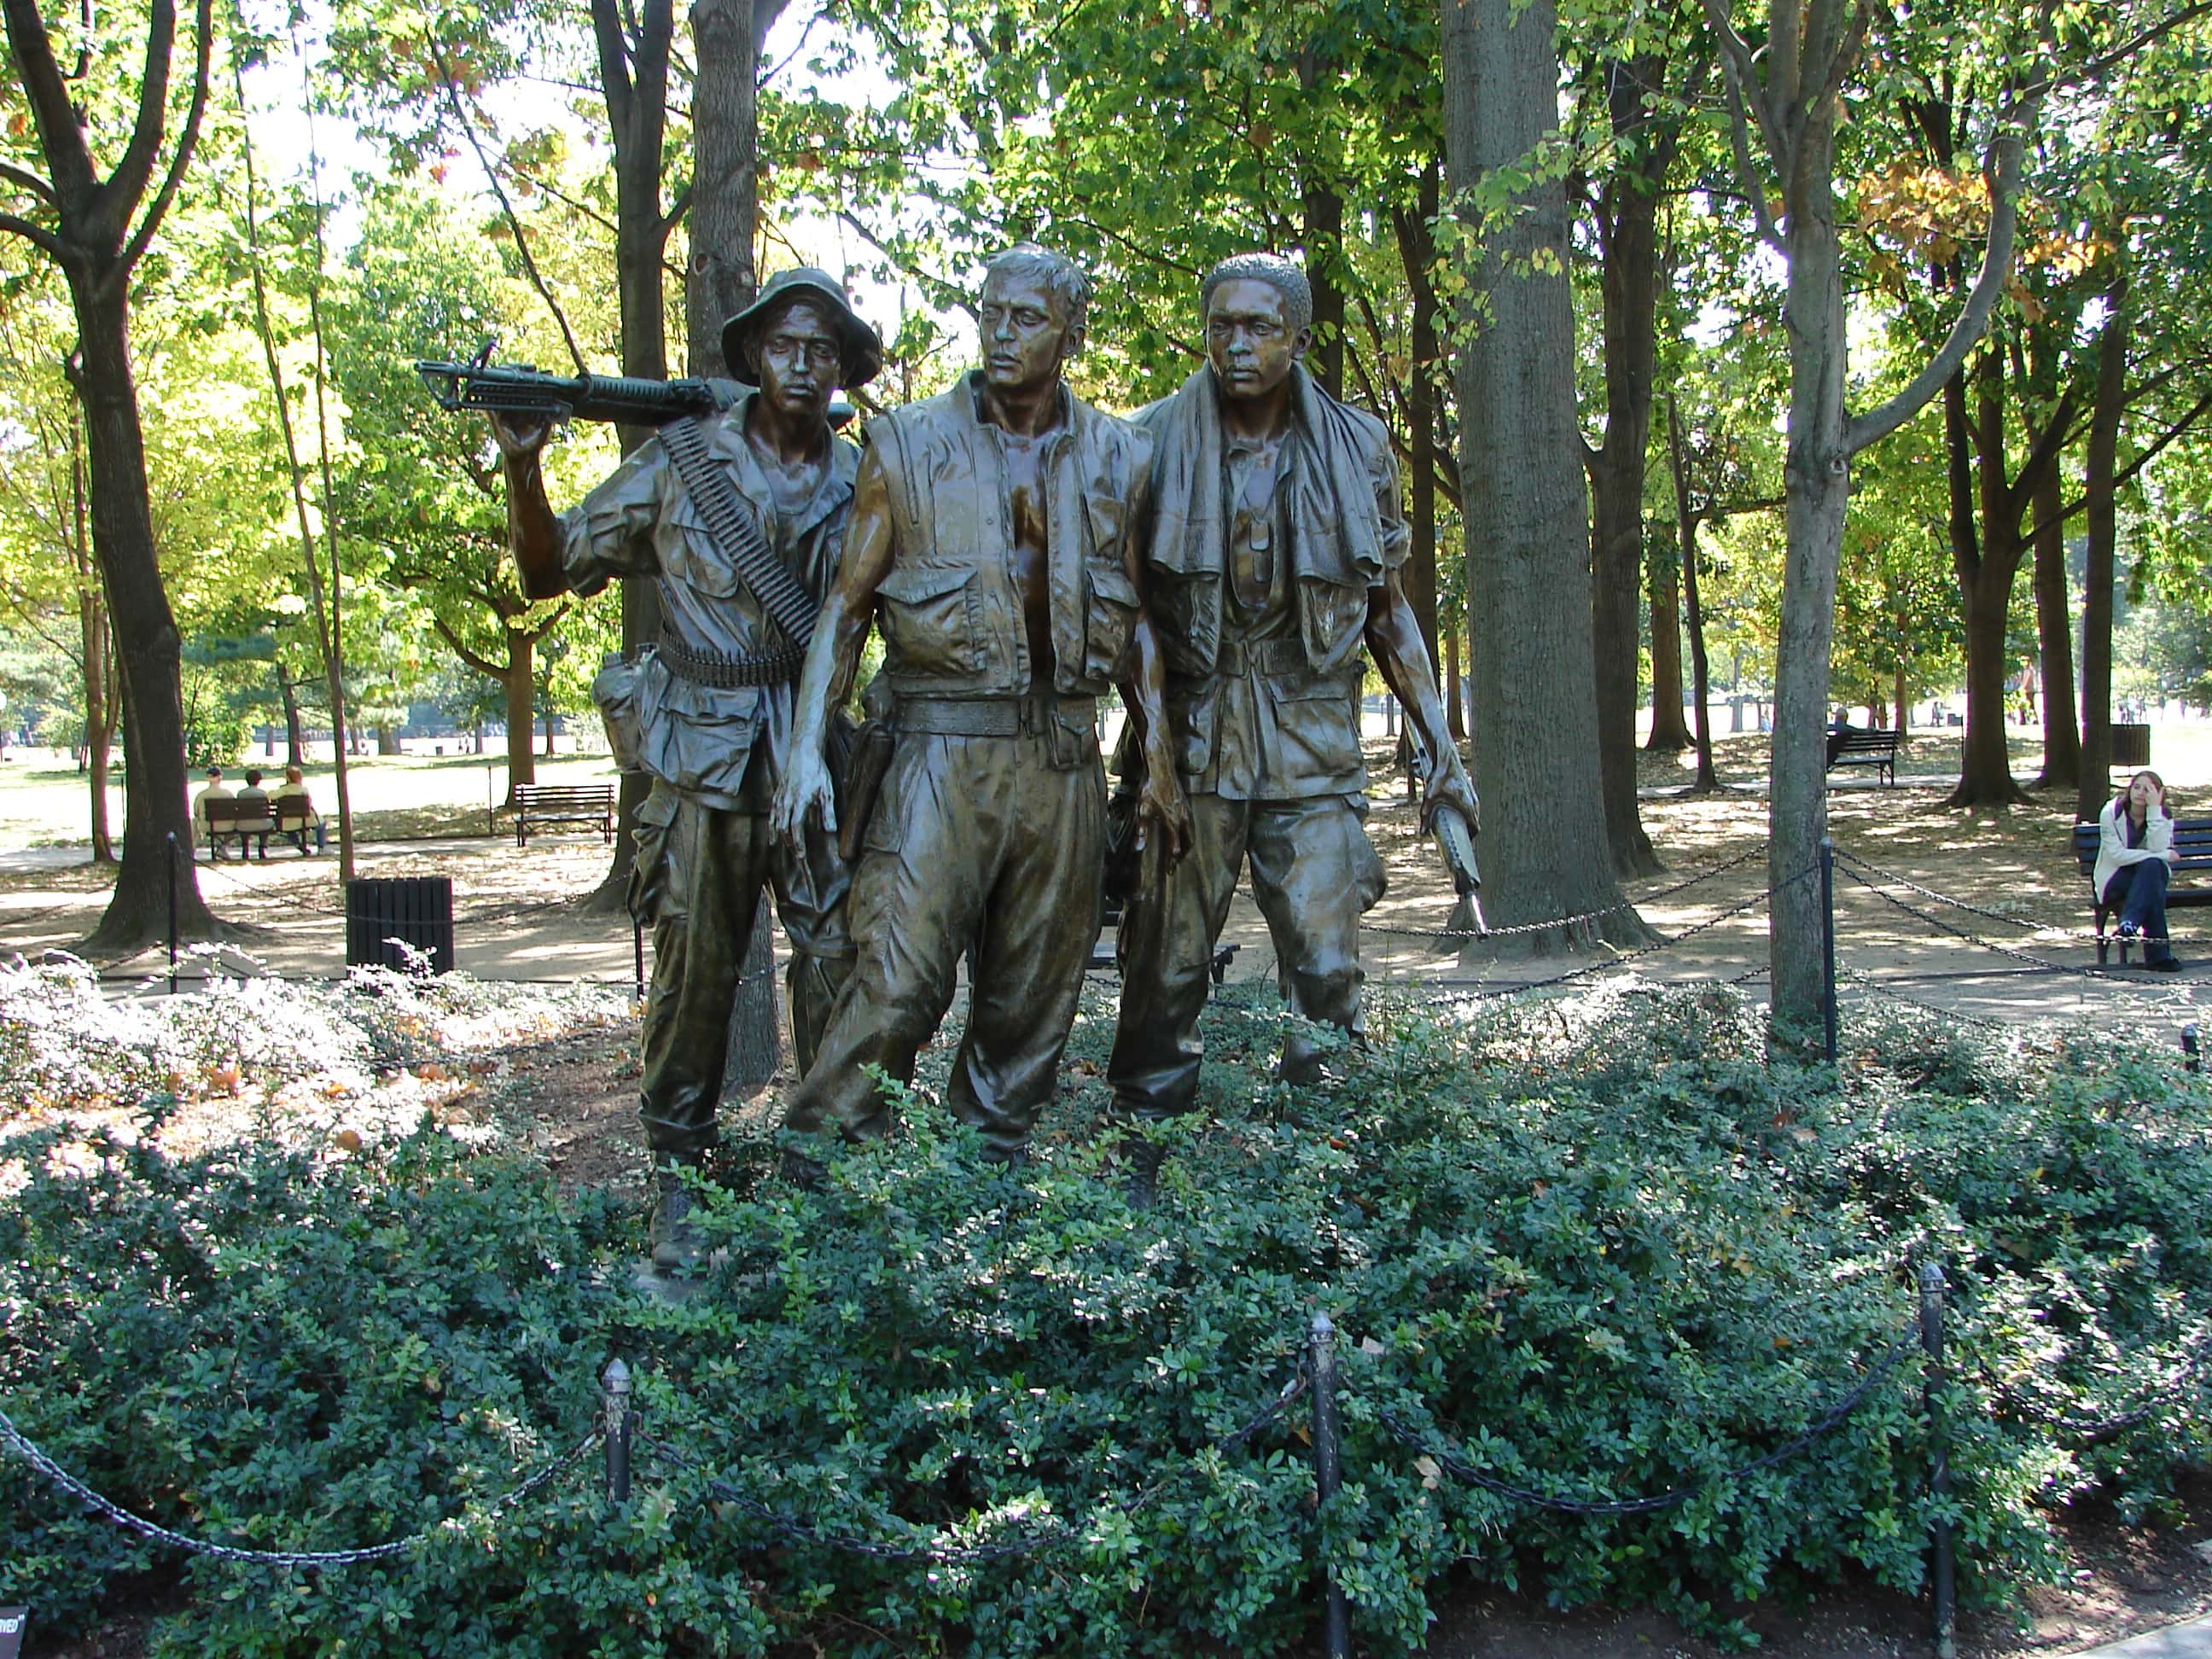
<point x="1629" y="281"/>
<point x="1670" y="730"/>
<point x="387" y="740"/>
<point x="2054" y="623"/>
<point x="1985" y="570"/>
<point x="1818" y="490"/>
<point x="157" y="825"/>
<point x="521" y="686"/>
<point x="1528" y="531"/>
<point x="96" y="643"/>
<point x="1904" y="707"/>
<point x="1455" y="699"/>
<point x="295" y="747"/>
<point x="2101" y="512"/>
<point x="722" y="279"/>
<point x="1686" y="530"/>
<point x="1417" y="252"/>
<point x="1323" y="238"/>
<point x="634" y="78"/>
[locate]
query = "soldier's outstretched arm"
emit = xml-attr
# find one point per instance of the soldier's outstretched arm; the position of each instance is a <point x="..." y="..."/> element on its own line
<point x="1395" y="638"/>
<point x="834" y="657"/>
<point x="533" y="534"/>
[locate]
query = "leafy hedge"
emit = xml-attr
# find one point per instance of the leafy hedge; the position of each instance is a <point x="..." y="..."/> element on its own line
<point x="1606" y="1247"/>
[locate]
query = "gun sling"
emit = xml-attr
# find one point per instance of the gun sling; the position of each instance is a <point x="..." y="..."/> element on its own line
<point x="736" y="532"/>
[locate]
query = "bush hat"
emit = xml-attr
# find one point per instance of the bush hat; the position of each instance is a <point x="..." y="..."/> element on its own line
<point x="864" y="349"/>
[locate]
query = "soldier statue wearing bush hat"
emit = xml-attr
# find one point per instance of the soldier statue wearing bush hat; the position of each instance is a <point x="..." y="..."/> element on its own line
<point x="726" y="514"/>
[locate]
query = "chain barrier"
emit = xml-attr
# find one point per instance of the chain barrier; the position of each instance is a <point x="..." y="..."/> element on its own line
<point x="1868" y="983"/>
<point x="1465" y="990"/>
<point x="61" y="1479"/>
<point x="1461" y="1469"/>
<point x="214" y="867"/>
<point x="1577" y="920"/>
<point x="2043" y="962"/>
<point x="1846" y="856"/>
<point x="2095" y="1430"/>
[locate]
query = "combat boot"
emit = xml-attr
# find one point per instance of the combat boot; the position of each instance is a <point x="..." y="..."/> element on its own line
<point x="677" y="1249"/>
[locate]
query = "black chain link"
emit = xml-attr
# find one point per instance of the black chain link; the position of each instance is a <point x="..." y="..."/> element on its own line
<point x="2043" y="962"/>
<point x="1740" y="860"/>
<point x="2095" y="1430"/>
<point x="1847" y="857"/>
<point x="18" y="1442"/>
<point x="1460" y="1470"/>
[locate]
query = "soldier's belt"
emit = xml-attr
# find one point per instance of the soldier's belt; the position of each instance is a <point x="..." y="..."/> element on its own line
<point x="994" y="717"/>
<point x="712" y="668"/>
<point x="1262" y="656"/>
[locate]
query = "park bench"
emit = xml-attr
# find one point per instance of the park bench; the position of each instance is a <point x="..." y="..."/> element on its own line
<point x="563" y="803"/>
<point x="2192" y="841"/>
<point x="251" y="822"/>
<point x="1853" y="747"/>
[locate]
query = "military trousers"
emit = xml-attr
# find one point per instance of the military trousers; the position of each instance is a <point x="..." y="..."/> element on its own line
<point x="697" y="883"/>
<point x="988" y="847"/>
<point x="1314" y="873"/>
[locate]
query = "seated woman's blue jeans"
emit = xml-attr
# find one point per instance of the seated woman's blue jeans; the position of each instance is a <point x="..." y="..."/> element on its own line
<point x="2138" y="891"/>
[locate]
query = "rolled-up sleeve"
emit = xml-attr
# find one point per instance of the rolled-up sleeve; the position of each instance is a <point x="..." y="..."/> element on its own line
<point x="609" y="532"/>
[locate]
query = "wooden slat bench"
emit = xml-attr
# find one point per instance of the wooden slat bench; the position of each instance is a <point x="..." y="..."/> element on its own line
<point x="2192" y="841"/>
<point x="1854" y="747"/>
<point x="249" y="822"/>
<point x="592" y="804"/>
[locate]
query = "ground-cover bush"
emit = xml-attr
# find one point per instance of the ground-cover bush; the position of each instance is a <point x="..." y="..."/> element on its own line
<point x="1599" y="1248"/>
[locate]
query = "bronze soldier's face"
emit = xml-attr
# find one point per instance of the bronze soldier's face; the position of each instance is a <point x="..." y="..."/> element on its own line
<point x="800" y="359"/>
<point x="1026" y="337"/>
<point x="1250" y="340"/>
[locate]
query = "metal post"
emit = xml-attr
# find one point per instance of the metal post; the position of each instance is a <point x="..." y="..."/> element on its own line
<point x="1828" y="941"/>
<point x="173" y="913"/>
<point x="637" y="951"/>
<point x="615" y="1380"/>
<point x="1328" y="1471"/>
<point x="2191" y="1058"/>
<point x="1942" y="1568"/>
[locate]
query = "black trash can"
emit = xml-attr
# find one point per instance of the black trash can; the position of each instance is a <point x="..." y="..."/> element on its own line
<point x="2130" y="745"/>
<point x="417" y="909"/>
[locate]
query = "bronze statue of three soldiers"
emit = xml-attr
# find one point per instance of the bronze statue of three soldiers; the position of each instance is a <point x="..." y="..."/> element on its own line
<point x="1226" y="559"/>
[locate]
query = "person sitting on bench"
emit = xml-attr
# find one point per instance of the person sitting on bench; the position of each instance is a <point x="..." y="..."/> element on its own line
<point x="216" y="790"/>
<point x="2135" y="854"/>
<point x="295" y="788"/>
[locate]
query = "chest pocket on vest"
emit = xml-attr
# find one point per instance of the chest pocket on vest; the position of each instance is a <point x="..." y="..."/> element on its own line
<point x="927" y="615"/>
<point x="1335" y="621"/>
<point x="1109" y="619"/>
<point x="689" y="553"/>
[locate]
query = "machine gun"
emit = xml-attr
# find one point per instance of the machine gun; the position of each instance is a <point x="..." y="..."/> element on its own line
<point x="516" y="389"/>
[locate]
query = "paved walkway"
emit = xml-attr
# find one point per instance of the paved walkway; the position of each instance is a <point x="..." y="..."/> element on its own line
<point x="2190" y="1641"/>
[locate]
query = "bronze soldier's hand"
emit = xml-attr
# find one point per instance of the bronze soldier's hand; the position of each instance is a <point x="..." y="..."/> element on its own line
<point x="1447" y="785"/>
<point x="1164" y="817"/>
<point x="519" y="437"/>
<point x="804" y="794"/>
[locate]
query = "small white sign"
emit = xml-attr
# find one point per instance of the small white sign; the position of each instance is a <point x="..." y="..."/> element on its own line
<point x="14" y="1621"/>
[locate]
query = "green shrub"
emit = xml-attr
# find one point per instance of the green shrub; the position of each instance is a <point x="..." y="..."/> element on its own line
<point x="1602" y="1248"/>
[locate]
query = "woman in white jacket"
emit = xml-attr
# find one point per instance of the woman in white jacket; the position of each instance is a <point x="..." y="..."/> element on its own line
<point x="2134" y="851"/>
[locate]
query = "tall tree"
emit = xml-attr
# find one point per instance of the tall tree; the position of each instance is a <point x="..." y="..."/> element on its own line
<point x="1644" y="126"/>
<point x="97" y="229"/>
<point x="1528" y="534"/>
<point x="1788" y="91"/>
